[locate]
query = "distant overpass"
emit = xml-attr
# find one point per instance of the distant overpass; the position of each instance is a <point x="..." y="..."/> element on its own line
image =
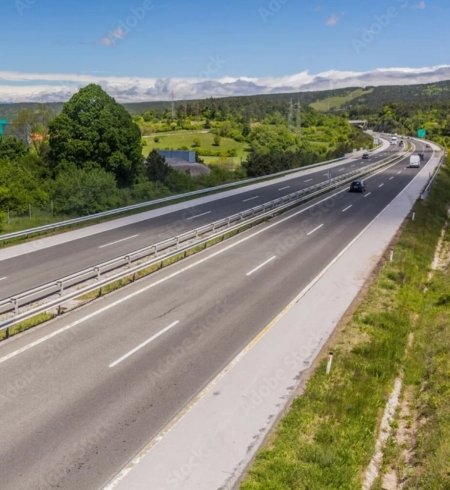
<point x="362" y="123"/>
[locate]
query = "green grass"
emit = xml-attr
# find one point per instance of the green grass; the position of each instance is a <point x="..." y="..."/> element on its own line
<point x="337" y="102"/>
<point x="328" y="436"/>
<point x="176" y="139"/>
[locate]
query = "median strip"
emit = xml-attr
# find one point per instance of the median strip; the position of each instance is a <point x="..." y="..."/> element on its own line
<point x="139" y="347"/>
<point x="261" y="265"/>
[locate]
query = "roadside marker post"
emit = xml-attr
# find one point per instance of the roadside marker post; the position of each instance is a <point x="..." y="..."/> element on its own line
<point x="391" y="256"/>
<point x="330" y="360"/>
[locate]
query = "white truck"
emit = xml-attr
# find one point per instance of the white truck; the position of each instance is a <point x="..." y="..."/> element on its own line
<point x="414" y="161"/>
<point x="394" y="140"/>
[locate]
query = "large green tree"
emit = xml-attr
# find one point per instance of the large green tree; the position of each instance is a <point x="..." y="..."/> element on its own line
<point x="94" y="130"/>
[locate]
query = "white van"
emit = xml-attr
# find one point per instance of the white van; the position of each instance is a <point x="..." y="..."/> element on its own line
<point x="394" y="140"/>
<point x="414" y="161"/>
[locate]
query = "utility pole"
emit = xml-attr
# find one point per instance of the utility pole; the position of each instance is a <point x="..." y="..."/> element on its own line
<point x="299" y="118"/>
<point x="173" y="107"/>
<point x="290" y="116"/>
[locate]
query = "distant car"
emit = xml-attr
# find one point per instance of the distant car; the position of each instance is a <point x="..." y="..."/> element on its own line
<point x="357" y="186"/>
<point x="401" y="143"/>
<point x="427" y="146"/>
<point x="421" y="155"/>
<point x="365" y="156"/>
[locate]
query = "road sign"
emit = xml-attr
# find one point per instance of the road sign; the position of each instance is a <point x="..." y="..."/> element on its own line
<point x="421" y="133"/>
<point x="3" y="123"/>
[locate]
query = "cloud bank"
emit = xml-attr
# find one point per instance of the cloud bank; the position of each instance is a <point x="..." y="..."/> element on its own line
<point x="39" y="87"/>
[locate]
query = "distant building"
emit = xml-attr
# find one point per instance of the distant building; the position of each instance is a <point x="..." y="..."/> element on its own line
<point x="186" y="155"/>
<point x="184" y="161"/>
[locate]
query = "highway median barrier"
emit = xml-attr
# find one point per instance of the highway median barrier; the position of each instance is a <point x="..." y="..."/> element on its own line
<point x="89" y="284"/>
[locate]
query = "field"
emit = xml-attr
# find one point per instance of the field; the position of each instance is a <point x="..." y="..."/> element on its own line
<point x="337" y="102"/>
<point x="178" y="139"/>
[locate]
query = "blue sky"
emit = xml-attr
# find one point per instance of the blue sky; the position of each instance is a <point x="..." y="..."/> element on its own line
<point x="206" y="39"/>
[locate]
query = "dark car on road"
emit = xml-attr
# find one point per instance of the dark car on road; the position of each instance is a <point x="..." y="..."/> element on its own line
<point x="357" y="186"/>
<point x="365" y="156"/>
<point x="422" y="156"/>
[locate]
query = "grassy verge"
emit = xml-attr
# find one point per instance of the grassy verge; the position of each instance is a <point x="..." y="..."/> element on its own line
<point x="327" y="438"/>
<point x="27" y="324"/>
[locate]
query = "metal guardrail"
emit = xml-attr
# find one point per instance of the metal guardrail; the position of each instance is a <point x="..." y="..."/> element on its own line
<point x="112" y="212"/>
<point x="253" y="215"/>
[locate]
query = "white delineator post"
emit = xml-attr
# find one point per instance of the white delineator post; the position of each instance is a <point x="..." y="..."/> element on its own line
<point x="330" y="360"/>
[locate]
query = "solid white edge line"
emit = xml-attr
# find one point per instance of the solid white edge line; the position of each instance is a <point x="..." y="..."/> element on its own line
<point x="119" y="241"/>
<point x="197" y="215"/>
<point x="261" y="265"/>
<point x="368" y="194"/>
<point x="140" y="346"/>
<point x="180" y="271"/>
<point x="348" y="207"/>
<point x="160" y="436"/>
<point x="315" y="229"/>
<point x="250" y="198"/>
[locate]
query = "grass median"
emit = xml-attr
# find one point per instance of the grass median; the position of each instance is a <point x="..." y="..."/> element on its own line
<point x="327" y="438"/>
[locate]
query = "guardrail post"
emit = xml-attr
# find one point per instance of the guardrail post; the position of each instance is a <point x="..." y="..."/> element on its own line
<point x="16" y="305"/>
<point x="178" y="242"/>
<point x="97" y="270"/>
<point x="7" y="333"/>
<point x="61" y="287"/>
<point x="128" y="259"/>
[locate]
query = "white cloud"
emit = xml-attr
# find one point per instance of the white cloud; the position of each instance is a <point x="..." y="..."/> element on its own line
<point x="111" y="38"/>
<point x="420" y="5"/>
<point x="334" y="19"/>
<point x="57" y="87"/>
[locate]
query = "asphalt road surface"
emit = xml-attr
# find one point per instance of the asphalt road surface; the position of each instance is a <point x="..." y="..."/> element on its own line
<point x="27" y="271"/>
<point x="83" y="394"/>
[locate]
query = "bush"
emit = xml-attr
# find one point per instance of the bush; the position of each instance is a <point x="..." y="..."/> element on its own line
<point x="156" y="139"/>
<point x="217" y="140"/>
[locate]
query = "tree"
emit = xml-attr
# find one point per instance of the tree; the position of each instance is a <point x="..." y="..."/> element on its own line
<point x="82" y="191"/>
<point x="12" y="148"/>
<point x="216" y="140"/>
<point x="196" y="142"/>
<point x="19" y="187"/>
<point x="93" y="127"/>
<point x="157" y="168"/>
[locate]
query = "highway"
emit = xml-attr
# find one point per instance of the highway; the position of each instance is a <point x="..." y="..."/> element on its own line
<point x="41" y="266"/>
<point x="84" y="393"/>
